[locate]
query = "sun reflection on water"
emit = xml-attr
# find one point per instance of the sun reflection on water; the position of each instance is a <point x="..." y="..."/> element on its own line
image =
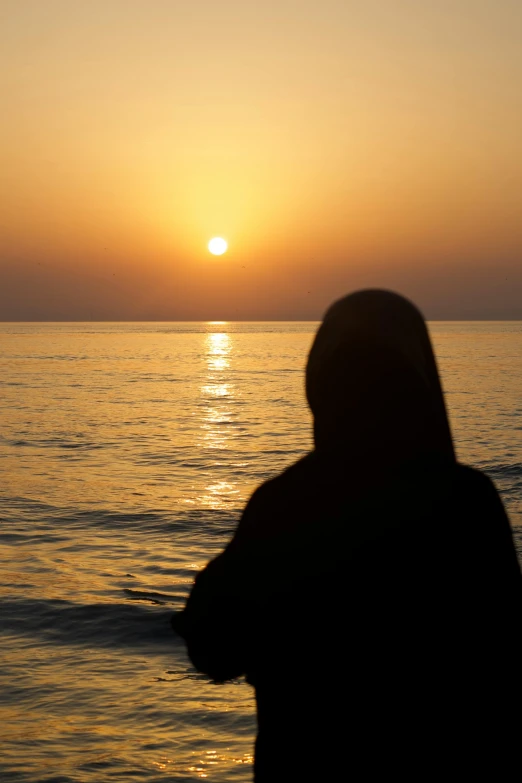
<point x="217" y="394"/>
<point x="217" y="355"/>
<point x="223" y="760"/>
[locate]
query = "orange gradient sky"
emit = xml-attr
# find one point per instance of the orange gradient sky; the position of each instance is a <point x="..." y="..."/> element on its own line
<point x="334" y="144"/>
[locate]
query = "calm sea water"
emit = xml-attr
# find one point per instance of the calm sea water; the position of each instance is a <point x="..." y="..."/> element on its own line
<point x="126" y="454"/>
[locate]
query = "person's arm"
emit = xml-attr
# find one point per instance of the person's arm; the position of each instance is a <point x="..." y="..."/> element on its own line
<point x="495" y="550"/>
<point x="219" y="615"/>
<point x="495" y="690"/>
<point x="494" y="585"/>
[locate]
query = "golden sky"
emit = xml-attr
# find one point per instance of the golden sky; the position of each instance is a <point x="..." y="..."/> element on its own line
<point x="334" y="144"/>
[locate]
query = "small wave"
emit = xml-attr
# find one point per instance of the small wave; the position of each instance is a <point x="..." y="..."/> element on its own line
<point x="511" y="471"/>
<point x="60" y="622"/>
<point x="55" y="443"/>
<point x="160" y="599"/>
<point x="48" y="519"/>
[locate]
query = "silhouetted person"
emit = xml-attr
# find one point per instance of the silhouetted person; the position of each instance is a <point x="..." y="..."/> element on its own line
<point x="371" y="593"/>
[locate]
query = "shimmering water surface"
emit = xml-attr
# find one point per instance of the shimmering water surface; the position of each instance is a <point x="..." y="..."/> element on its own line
<point x="126" y="453"/>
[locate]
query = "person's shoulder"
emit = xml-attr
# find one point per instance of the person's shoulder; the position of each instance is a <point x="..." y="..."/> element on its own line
<point x="265" y="510"/>
<point x="294" y="476"/>
<point x="474" y="483"/>
<point x="473" y="477"/>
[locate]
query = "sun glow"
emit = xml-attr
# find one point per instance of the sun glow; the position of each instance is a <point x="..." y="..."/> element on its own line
<point x="218" y="246"/>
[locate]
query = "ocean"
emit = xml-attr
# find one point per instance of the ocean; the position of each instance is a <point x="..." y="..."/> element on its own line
<point x="127" y="451"/>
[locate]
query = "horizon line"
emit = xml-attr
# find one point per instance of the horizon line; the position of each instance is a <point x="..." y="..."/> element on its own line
<point x="216" y="322"/>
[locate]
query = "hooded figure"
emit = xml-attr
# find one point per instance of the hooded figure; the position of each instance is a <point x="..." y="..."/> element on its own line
<point x="371" y="593"/>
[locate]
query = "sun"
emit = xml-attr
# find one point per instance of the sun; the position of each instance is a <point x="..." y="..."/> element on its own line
<point x="218" y="246"/>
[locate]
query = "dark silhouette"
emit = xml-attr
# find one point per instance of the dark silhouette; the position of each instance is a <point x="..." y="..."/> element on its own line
<point x="371" y="593"/>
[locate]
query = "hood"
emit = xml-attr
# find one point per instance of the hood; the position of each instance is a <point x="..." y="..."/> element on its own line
<point x="372" y="382"/>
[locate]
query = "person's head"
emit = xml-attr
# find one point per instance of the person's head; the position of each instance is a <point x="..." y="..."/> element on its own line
<point x="372" y="381"/>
